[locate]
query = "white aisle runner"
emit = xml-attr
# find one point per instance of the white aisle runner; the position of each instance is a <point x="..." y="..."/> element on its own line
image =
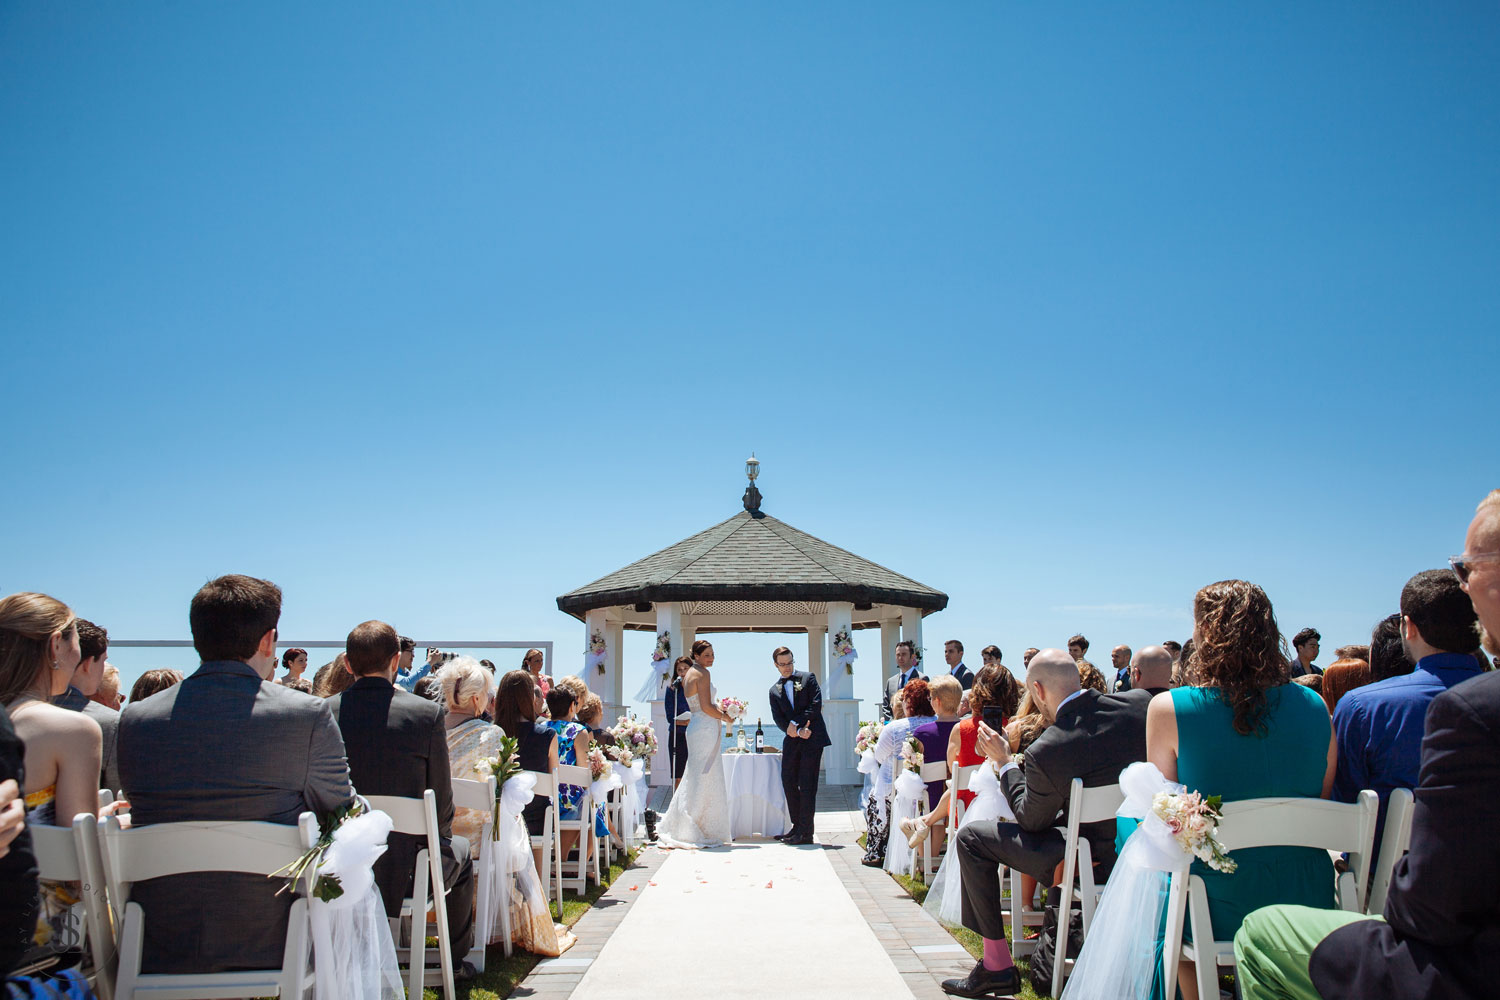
<point x="754" y="920"/>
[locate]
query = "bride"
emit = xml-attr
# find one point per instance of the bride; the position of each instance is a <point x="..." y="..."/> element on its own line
<point x="699" y="813"/>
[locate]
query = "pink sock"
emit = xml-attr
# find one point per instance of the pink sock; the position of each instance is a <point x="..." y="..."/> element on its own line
<point x="997" y="955"/>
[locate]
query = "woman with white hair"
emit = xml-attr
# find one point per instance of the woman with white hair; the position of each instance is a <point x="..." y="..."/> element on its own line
<point x="467" y="690"/>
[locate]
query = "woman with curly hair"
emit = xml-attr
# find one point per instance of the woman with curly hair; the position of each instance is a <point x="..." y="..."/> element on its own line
<point x="1244" y="731"/>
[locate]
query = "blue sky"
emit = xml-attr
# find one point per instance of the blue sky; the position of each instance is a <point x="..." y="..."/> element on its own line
<point x="434" y="314"/>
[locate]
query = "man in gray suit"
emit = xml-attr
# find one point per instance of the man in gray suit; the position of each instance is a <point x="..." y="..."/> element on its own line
<point x="225" y="745"/>
<point x="907" y="670"/>
<point x="93" y="646"/>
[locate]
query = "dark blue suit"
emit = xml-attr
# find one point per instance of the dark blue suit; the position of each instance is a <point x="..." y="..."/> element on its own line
<point x="800" y="757"/>
<point x="675" y="703"/>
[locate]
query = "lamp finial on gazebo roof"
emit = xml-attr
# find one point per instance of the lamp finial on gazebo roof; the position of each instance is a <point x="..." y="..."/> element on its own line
<point x="752" y="495"/>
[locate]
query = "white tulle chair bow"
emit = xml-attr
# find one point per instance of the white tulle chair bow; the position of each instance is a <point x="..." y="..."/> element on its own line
<point x="353" y="955"/>
<point x="511" y="858"/>
<point x="945" y="899"/>
<point x="633" y="806"/>
<point x="906" y="791"/>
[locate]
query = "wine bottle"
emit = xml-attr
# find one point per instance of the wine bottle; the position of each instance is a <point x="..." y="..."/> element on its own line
<point x="740" y="742"/>
<point x="760" y="738"/>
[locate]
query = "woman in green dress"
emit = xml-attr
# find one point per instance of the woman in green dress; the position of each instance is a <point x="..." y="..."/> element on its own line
<point x="1244" y="731"/>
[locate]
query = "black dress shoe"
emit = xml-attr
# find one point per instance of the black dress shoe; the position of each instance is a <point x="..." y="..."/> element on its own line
<point x="783" y="837"/>
<point x="984" y="983"/>
<point x="801" y="841"/>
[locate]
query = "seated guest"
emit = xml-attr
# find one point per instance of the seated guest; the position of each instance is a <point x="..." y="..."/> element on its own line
<point x="1341" y="677"/>
<point x="1026" y="725"/>
<point x="39" y="651"/>
<point x="576" y="686"/>
<point x="107" y="693"/>
<point x="18" y="901"/>
<point x="1090" y="678"/>
<point x="914" y="709"/>
<point x="516" y="714"/>
<point x="1380" y="726"/>
<point x="1388" y="656"/>
<point x="154" y="682"/>
<point x="1441" y="932"/>
<point x="937" y="738"/>
<point x="88" y="676"/>
<point x="591" y="714"/>
<point x="333" y="677"/>
<point x="1150" y="673"/>
<point x="466" y="686"/>
<point x="573" y="741"/>
<point x="1313" y="682"/>
<point x="1354" y="651"/>
<point x="1244" y="732"/>
<point x="429" y="687"/>
<point x="1091" y="736"/>
<point x="226" y="745"/>
<point x="397" y="745"/>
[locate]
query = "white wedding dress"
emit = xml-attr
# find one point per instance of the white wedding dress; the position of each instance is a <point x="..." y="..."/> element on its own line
<point x="699" y="813"/>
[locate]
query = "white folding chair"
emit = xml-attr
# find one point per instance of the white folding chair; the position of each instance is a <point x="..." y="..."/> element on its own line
<point x="1270" y="822"/>
<point x="961" y="777"/>
<point x="936" y="770"/>
<point x="569" y="774"/>
<point x="71" y="854"/>
<point x="1085" y="805"/>
<point x="149" y="852"/>
<point x="106" y="797"/>
<point x="1394" y="841"/>
<point x="418" y="817"/>
<point x="549" y="841"/>
<point x="480" y="797"/>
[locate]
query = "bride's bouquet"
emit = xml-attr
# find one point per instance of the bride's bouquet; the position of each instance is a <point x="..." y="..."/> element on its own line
<point x="869" y="733"/>
<point x="911" y="755"/>
<point x="733" y="707"/>
<point x="635" y="737"/>
<point x="1194" y="822"/>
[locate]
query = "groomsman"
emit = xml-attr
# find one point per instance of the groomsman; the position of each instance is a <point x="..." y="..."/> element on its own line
<point x="797" y="708"/>
<point x="907" y="671"/>
<point x="953" y="654"/>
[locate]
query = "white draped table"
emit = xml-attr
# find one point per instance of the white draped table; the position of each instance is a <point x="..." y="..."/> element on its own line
<point x="756" y="802"/>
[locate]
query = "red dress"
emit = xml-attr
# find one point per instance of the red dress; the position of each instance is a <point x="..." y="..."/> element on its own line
<point x="968" y="731"/>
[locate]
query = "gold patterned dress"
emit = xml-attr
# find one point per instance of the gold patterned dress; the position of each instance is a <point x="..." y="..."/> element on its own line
<point x="531" y="923"/>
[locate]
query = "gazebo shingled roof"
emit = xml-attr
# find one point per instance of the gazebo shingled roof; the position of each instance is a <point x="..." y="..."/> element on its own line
<point x="752" y="564"/>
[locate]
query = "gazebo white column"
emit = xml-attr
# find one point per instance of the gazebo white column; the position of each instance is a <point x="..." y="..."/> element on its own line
<point x="911" y="629"/>
<point x="614" y="662"/>
<point x="668" y="620"/>
<point x="817" y="637"/>
<point x="599" y="682"/>
<point x="840" y="707"/>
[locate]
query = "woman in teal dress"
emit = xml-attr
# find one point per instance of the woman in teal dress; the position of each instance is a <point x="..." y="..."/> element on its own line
<point x="1243" y="731"/>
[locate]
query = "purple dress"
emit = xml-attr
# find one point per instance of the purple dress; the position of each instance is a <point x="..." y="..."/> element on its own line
<point x="934" y="739"/>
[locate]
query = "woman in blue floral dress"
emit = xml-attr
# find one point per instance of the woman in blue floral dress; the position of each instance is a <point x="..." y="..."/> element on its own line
<point x="573" y="741"/>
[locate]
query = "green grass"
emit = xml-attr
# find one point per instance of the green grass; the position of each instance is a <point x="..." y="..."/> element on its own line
<point x="501" y="974"/>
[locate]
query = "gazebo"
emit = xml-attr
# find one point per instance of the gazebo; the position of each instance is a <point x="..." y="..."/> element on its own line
<point x="751" y="573"/>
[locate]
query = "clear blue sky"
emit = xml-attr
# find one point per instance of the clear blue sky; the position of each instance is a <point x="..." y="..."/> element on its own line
<point x="433" y="314"/>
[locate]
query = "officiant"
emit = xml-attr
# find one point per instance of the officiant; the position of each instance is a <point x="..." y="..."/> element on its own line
<point x="678" y="715"/>
<point x="797" y="708"/>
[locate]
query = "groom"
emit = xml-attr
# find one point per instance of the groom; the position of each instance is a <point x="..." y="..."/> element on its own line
<point x="797" y="708"/>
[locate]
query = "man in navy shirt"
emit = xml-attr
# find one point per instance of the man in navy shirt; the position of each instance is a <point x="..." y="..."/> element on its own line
<point x="1306" y="645"/>
<point x="1379" y="726"/>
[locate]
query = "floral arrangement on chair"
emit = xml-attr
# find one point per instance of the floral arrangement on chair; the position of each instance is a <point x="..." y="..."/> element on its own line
<point x="595" y="651"/>
<point x="599" y="765"/>
<point x="327" y="887"/>
<point x="1194" y="823"/>
<point x="733" y="707"/>
<point x="504" y="765"/>
<point x="911" y="754"/>
<point x="636" y="739"/>
<point x="868" y="733"/>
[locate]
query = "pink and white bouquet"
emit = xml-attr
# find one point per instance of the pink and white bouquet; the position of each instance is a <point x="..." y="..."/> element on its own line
<point x="635" y="737"/>
<point x="865" y="739"/>
<point x="733" y="707"/>
<point x="911" y="754"/>
<point x="599" y="764"/>
<point x="1194" y="821"/>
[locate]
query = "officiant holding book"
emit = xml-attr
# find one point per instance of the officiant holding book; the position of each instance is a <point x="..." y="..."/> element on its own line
<point x="797" y="708"/>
